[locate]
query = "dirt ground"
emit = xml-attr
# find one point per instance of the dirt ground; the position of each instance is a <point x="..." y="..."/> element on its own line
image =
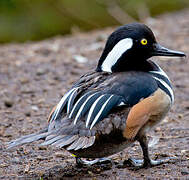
<point x="34" y="76"/>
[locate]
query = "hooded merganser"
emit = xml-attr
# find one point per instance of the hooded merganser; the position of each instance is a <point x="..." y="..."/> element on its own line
<point x="110" y="108"/>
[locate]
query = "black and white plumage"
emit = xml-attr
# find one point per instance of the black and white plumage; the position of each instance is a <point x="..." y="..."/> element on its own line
<point x="110" y="108"/>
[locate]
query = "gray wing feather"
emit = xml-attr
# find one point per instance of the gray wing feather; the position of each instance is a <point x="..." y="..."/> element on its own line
<point x="65" y="138"/>
<point x="80" y="144"/>
<point x="85" y="142"/>
<point x="73" y="145"/>
<point x="90" y="142"/>
<point x="52" y="140"/>
<point x="50" y="137"/>
<point x="28" y="138"/>
<point x="67" y="142"/>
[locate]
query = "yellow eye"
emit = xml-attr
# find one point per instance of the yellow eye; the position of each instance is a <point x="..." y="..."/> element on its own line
<point x="144" y="41"/>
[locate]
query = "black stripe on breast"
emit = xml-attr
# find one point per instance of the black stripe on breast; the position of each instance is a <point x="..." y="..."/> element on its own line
<point x="164" y="83"/>
<point x="159" y="76"/>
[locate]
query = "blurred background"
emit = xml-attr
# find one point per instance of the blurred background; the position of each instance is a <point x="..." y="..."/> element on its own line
<point x="31" y="20"/>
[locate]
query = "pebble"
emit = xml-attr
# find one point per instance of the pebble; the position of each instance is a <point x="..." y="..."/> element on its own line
<point x="80" y="59"/>
<point x="41" y="71"/>
<point x="59" y="154"/>
<point x="180" y="116"/>
<point x="3" y="165"/>
<point x="28" y="113"/>
<point x="24" y="80"/>
<point x="35" y="108"/>
<point x="42" y="148"/>
<point x="8" y="103"/>
<point x="185" y="152"/>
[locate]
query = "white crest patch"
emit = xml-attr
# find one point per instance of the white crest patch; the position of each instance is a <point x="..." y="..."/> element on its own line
<point x="121" y="47"/>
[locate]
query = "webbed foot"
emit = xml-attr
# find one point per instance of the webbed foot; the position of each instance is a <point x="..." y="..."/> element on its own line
<point x="138" y="164"/>
<point x="99" y="161"/>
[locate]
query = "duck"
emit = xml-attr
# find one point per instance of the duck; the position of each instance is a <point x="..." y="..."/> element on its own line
<point x="118" y="103"/>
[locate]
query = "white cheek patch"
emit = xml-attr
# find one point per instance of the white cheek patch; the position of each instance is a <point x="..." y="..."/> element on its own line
<point x="121" y="47"/>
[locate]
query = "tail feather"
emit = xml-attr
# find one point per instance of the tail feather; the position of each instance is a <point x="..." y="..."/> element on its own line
<point x="28" y="138"/>
<point x="74" y="142"/>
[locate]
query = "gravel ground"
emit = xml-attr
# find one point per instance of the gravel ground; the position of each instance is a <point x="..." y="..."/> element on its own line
<point x="34" y="76"/>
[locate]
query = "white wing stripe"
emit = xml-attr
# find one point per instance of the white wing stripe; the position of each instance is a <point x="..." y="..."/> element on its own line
<point x="77" y="104"/>
<point x="166" y="86"/>
<point x="69" y="101"/>
<point x="81" y="109"/>
<point x="100" y="112"/>
<point x="92" y="109"/>
<point x="62" y="102"/>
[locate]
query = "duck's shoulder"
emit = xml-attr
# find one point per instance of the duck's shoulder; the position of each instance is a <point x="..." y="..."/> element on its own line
<point x="106" y="80"/>
<point x="92" y="79"/>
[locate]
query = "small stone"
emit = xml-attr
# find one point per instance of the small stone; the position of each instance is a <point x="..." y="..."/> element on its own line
<point x="59" y="154"/>
<point x="42" y="100"/>
<point x="28" y="114"/>
<point x="80" y="59"/>
<point x="165" y="120"/>
<point x="35" y="108"/>
<point x="24" y="80"/>
<point x="42" y="148"/>
<point x="180" y="116"/>
<point x="184" y="151"/>
<point x="41" y="71"/>
<point x="157" y="129"/>
<point x="90" y="173"/>
<point x="3" y="165"/>
<point x="8" y="103"/>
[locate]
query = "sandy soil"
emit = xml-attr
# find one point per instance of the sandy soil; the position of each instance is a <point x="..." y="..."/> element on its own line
<point x="34" y="76"/>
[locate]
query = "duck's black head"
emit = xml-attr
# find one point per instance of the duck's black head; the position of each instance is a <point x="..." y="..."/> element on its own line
<point x="129" y="47"/>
